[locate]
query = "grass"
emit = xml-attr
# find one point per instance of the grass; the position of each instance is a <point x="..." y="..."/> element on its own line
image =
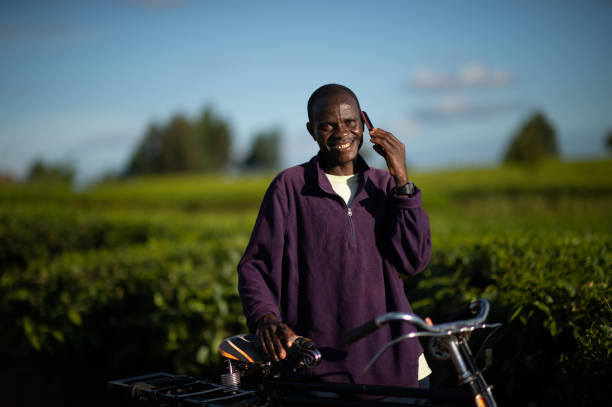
<point x="554" y="197"/>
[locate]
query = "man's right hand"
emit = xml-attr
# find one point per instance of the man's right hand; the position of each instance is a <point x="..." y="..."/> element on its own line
<point x="275" y="336"/>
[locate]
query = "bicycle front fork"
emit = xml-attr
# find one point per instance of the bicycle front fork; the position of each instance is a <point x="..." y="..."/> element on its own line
<point x="468" y="372"/>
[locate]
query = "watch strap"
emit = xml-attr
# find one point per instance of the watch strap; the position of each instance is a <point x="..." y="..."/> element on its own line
<point x="407" y="189"/>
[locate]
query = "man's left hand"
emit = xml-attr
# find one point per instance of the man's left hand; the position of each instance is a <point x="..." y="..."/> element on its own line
<point x="393" y="151"/>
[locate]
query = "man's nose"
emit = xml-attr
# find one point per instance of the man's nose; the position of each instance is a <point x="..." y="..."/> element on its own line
<point x="343" y="130"/>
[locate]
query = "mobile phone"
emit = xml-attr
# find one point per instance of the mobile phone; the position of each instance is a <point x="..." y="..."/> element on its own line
<point x="366" y="120"/>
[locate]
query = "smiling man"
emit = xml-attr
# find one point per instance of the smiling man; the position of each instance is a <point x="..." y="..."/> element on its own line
<point x="330" y="239"/>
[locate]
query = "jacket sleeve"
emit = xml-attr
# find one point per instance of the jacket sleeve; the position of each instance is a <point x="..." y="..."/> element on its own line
<point x="260" y="269"/>
<point x="409" y="232"/>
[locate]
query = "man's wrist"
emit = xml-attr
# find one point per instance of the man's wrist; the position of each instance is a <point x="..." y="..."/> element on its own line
<point x="407" y="189"/>
<point x="400" y="178"/>
<point x="267" y="319"/>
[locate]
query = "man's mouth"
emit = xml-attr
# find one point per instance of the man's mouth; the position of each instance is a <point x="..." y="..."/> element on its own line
<point x="342" y="147"/>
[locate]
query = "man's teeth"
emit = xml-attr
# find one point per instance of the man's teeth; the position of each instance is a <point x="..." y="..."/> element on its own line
<point x="342" y="146"/>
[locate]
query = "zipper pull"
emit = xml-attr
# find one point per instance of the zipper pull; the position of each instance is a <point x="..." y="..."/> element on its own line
<point x="350" y="213"/>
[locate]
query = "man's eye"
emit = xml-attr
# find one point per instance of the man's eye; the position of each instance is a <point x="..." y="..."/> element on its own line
<point x="351" y="123"/>
<point x="325" y="127"/>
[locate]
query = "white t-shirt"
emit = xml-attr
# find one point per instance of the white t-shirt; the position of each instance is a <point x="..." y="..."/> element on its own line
<point x="345" y="185"/>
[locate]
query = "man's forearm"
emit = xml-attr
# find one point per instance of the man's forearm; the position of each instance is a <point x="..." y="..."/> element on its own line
<point x="409" y="233"/>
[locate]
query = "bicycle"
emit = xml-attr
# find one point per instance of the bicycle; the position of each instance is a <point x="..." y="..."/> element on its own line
<point x="252" y="379"/>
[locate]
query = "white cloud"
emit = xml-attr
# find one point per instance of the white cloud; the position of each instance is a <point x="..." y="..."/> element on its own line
<point x="471" y="75"/>
<point x="453" y="107"/>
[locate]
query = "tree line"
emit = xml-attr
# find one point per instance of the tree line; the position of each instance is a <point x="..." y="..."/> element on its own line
<point x="204" y="144"/>
<point x="199" y="145"/>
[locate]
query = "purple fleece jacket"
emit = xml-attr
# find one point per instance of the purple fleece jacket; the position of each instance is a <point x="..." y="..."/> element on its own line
<point x="325" y="268"/>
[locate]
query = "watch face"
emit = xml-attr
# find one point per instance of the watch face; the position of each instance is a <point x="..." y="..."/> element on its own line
<point x="410" y="188"/>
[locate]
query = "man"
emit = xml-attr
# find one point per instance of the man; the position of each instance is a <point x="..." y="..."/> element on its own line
<point x="328" y="244"/>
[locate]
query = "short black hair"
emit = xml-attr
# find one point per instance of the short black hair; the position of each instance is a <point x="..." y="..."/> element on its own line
<point x="325" y="90"/>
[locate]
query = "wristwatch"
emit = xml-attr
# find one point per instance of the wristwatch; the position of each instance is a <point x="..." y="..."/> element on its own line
<point x="406" y="189"/>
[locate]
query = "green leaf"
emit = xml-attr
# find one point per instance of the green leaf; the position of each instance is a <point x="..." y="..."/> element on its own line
<point x="564" y="284"/>
<point x="542" y="307"/>
<point x="28" y="327"/>
<point x="158" y="300"/>
<point x="202" y="354"/>
<point x="196" y="306"/>
<point x="74" y="316"/>
<point x="58" y="335"/>
<point x="516" y="313"/>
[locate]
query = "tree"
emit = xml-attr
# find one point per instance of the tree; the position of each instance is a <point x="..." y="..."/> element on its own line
<point x="535" y="140"/>
<point x="145" y="159"/>
<point x="56" y="174"/>
<point x="265" y="151"/>
<point x="609" y="141"/>
<point x="179" y="150"/>
<point x="214" y="138"/>
<point x="183" y="146"/>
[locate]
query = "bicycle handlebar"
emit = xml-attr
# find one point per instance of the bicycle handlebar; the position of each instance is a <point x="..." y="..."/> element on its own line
<point x="481" y="306"/>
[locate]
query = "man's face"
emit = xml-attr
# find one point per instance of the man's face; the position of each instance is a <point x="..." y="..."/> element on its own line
<point x="337" y="127"/>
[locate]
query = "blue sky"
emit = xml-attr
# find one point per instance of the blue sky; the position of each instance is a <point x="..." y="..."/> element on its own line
<point x="81" y="81"/>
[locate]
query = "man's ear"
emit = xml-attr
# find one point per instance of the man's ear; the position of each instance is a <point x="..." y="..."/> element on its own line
<point x="309" y="128"/>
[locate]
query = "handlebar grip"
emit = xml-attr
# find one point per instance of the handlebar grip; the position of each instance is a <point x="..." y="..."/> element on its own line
<point x="301" y="342"/>
<point x="360" y="331"/>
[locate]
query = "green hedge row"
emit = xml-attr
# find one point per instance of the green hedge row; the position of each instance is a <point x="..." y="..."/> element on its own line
<point x="156" y="290"/>
<point x="553" y="297"/>
<point x="158" y="304"/>
<point x="186" y="192"/>
<point x="168" y="304"/>
<point x="43" y="232"/>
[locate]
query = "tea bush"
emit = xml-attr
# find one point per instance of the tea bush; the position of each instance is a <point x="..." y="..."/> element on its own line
<point x="552" y="295"/>
<point x="41" y="232"/>
<point x="131" y="277"/>
<point x="155" y="304"/>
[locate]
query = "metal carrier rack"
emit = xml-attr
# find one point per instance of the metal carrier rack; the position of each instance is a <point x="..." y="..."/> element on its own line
<point x="171" y="390"/>
<point x="165" y="389"/>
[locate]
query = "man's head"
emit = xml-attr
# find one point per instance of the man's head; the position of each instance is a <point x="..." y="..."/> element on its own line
<point x="335" y="124"/>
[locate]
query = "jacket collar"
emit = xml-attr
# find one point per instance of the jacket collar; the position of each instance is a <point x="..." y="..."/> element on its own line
<point x="322" y="181"/>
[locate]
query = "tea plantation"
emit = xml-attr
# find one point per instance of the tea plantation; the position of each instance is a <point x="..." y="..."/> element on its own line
<point x="137" y="276"/>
